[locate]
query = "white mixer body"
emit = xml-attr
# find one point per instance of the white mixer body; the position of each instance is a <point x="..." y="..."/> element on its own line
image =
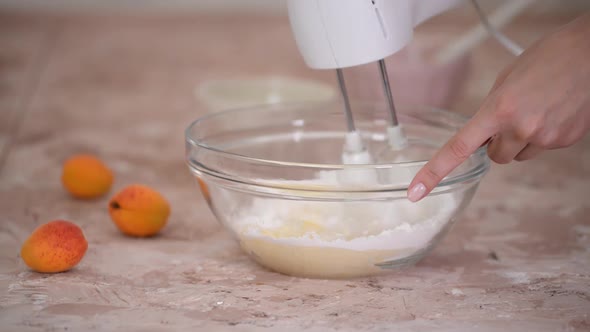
<point x="344" y="33"/>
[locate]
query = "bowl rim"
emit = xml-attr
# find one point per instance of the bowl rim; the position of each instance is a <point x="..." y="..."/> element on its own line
<point x="473" y="172"/>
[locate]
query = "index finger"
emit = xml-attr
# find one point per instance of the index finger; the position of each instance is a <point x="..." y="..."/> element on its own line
<point x="469" y="138"/>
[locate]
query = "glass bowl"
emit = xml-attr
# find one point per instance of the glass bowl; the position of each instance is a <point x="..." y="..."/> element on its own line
<point x="278" y="185"/>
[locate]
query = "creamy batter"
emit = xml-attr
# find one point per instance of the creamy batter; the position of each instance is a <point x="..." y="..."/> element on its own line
<point x="339" y="239"/>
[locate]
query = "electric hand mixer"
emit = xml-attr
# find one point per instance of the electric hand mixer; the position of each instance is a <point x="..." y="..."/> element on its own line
<point x="335" y="34"/>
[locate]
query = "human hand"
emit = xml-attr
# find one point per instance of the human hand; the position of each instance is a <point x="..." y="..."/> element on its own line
<point x="539" y="102"/>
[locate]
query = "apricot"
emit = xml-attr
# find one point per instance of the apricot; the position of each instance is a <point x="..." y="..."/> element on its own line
<point x="139" y="211"/>
<point x="85" y="176"/>
<point x="56" y="246"/>
<point x="204" y="188"/>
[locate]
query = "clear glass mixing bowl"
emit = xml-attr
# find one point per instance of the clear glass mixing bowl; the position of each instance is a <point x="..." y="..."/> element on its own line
<point x="279" y="186"/>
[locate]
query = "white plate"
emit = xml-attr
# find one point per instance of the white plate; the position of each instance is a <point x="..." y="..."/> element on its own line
<point x="236" y="93"/>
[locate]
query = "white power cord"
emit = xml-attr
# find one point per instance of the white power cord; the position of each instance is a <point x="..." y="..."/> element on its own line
<point x="500" y="37"/>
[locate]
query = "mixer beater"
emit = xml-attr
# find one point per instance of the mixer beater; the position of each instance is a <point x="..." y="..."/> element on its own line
<point x="354" y="150"/>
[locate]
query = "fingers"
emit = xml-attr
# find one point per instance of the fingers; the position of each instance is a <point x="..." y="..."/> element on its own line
<point x="486" y="141"/>
<point x="504" y="148"/>
<point x="477" y="133"/>
<point x="452" y="154"/>
<point x="529" y="152"/>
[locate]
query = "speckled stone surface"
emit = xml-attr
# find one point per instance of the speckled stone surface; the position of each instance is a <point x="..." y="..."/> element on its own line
<point x="122" y="87"/>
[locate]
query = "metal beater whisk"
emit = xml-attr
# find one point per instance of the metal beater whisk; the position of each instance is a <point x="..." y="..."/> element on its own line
<point x="355" y="151"/>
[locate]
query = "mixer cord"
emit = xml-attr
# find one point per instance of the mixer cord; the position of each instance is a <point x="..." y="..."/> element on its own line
<point x="500" y="37"/>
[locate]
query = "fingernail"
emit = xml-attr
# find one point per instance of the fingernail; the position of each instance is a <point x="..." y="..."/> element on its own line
<point x="416" y="192"/>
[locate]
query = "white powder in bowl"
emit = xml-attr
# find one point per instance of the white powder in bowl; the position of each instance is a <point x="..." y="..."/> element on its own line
<point x="339" y="239"/>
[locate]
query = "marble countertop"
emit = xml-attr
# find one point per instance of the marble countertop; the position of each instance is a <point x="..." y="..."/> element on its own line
<point x="123" y="87"/>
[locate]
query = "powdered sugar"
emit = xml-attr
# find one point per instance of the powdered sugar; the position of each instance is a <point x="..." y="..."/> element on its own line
<point x="357" y="225"/>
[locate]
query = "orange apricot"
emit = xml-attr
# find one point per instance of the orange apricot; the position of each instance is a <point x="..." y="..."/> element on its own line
<point x="56" y="246"/>
<point x="86" y="176"/>
<point x="204" y="188"/>
<point x="139" y="211"/>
